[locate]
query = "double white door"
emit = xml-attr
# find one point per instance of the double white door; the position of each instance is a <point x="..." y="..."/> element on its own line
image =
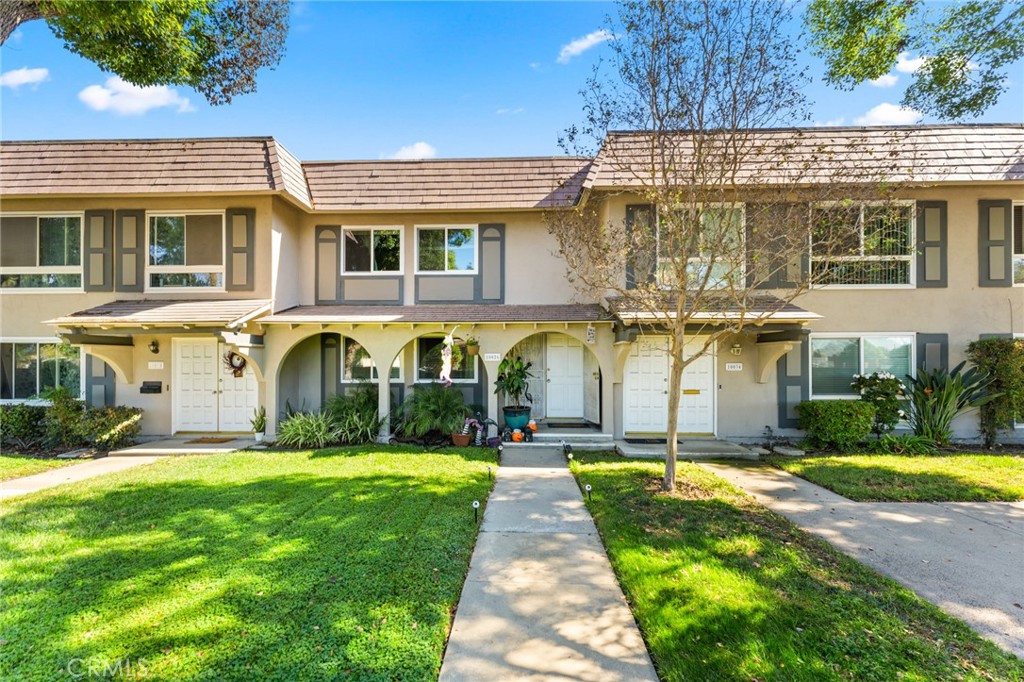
<point x="646" y="384"/>
<point x="207" y="394"/>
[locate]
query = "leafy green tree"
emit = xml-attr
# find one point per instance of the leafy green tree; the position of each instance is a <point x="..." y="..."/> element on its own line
<point x="967" y="47"/>
<point x="214" y="46"/>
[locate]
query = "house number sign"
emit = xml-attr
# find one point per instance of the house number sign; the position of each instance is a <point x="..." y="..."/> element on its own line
<point x="734" y="367"/>
<point x="492" y="357"/>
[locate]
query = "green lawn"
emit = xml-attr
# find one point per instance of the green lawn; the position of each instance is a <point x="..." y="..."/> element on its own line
<point x="341" y="564"/>
<point x="16" y="466"/>
<point x="922" y="478"/>
<point x="724" y="589"/>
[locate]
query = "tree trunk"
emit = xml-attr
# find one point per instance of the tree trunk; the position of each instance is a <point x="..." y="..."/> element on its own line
<point x="14" y="13"/>
<point x="675" y="390"/>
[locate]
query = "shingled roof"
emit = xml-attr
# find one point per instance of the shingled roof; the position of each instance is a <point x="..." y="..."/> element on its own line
<point x="173" y="166"/>
<point x="464" y="313"/>
<point x="931" y="153"/>
<point x="446" y="184"/>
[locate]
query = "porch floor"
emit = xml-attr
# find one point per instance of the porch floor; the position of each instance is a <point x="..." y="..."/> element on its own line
<point x="186" y="445"/>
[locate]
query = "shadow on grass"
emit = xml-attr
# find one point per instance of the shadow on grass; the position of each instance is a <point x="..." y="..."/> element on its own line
<point x="725" y="590"/>
<point x="286" y="577"/>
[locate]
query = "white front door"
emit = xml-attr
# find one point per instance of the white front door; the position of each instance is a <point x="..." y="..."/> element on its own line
<point x="646" y="389"/>
<point x="564" y="377"/>
<point x="207" y="395"/>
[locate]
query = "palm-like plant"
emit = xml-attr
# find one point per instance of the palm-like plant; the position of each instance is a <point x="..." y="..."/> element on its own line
<point x="938" y="396"/>
<point x="434" y="409"/>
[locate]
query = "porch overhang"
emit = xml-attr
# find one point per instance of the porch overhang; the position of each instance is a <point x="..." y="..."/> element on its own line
<point x="151" y="315"/>
<point x="443" y="315"/>
<point x="759" y="311"/>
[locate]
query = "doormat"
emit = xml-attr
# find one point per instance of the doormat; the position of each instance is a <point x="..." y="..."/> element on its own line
<point x="569" y="425"/>
<point x="209" y="441"/>
<point x="646" y="441"/>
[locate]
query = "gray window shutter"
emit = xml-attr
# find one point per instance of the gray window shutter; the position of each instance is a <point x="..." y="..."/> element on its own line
<point x="780" y="274"/>
<point x="490" y="280"/>
<point x="637" y="213"/>
<point x="932" y="351"/>
<point x="98" y="251"/>
<point x="130" y="249"/>
<point x="995" y="243"/>
<point x="794" y="383"/>
<point x="99" y="383"/>
<point x="240" y="234"/>
<point x="932" y="249"/>
<point x="328" y="264"/>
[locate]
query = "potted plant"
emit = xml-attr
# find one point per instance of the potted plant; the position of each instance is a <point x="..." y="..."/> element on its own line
<point x="472" y="346"/>
<point x="512" y="383"/>
<point x="259" y="423"/>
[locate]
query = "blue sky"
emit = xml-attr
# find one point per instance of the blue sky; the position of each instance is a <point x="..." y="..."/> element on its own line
<point x="379" y="80"/>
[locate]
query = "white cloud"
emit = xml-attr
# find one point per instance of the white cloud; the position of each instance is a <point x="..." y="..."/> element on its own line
<point x="885" y="81"/>
<point x="904" y="63"/>
<point x="536" y="66"/>
<point x="511" y="112"/>
<point x="24" y="76"/>
<point x="831" y="123"/>
<point x="886" y="114"/>
<point x="417" y="150"/>
<point x="126" y="99"/>
<point x="581" y="45"/>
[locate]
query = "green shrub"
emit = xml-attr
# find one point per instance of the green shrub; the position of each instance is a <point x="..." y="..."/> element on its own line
<point x="434" y="409"/>
<point x="355" y="415"/>
<point x="307" y="430"/>
<point x="905" y="444"/>
<point x="64" y="419"/>
<point x="1003" y="360"/>
<point x="22" y="426"/>
<point x="885" y="392"/>
<point x="836" y="424"/>
<point x="937" y="397"/>
<point x="111" y="428"/>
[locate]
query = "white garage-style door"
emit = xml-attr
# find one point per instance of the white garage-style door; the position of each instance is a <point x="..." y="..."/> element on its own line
<point x="207" y="395"/>
<point x="645" y="389"/>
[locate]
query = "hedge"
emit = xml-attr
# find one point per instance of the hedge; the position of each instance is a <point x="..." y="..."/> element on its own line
<point x="836" y="424"/>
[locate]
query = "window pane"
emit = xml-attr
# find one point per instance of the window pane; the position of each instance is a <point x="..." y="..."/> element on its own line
<point x="357" y="250"/>
<point x="186" y="279"/>
<point x="204" y="237"/>
<point x="18" y="236"/>
<point x="69" y="360"/>
<point x="40" y="281"/>
<point x="887" y="231"/>
<point x="47" y="366"/>
<point x="887" y="354"/>
<point x="463" y="365"/>
<point x="167" y="240"/>
<point x="1018" y="244"/>
<point x="357" y="363"/>
<point x="387" y="256"/>
<point x="6" y="371"/>
<point x="871" y="272"/>
<point x="26" y="369"/>
<point x="836" y="231"/>
<point x="431" y="250"/>
<point x="60" y="241"/>
<point x="833" y="364"/>
<point x="461" y="249"/>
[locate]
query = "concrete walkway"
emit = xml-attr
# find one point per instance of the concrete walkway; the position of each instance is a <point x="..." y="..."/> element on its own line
<point x="965" y="557"/>
<point x="541" y="601"/>
<point x="70" y="474"/>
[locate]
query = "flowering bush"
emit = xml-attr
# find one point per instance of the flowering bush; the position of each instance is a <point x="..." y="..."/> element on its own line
<point x="885" y="392"/>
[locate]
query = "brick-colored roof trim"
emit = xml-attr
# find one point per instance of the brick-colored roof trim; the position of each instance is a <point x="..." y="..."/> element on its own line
<point x="209" y="312"/>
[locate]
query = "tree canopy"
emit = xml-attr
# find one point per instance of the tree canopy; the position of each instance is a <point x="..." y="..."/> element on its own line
<point x="214" y="46"/>
<point x="967" y="48"/>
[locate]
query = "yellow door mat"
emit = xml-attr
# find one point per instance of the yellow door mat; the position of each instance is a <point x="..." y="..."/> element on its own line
<point x="209" y="441"/>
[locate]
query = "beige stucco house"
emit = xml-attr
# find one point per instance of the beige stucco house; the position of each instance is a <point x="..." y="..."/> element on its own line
<point x="135" y="271"/>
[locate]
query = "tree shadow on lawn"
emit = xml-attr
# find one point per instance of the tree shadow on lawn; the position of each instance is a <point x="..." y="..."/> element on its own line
<point x="725" y="590"/>
<point x="287" y="577"/>
<point x="880" y="483"/>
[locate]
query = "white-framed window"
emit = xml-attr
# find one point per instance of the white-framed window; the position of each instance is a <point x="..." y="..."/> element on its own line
<point x="720" y="249"/>
<point x="836" y="358"/>
<point x="446" y="248"/>
<point x="863" y="245"/>
<point x="1018" y="244"/>
<point x="370" y="250"/>
<point x="185" y="250"/>
<point x="28" y="367"/>
<point x="41" y="252"/>
<point x="428" y="360"/>
<point x="357" y="365"/>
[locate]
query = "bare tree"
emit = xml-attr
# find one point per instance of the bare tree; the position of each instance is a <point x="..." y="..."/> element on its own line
<point x="728" y="198"/>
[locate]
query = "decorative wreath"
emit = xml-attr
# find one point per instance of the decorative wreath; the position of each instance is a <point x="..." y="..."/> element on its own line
<point x="235" y="362"/>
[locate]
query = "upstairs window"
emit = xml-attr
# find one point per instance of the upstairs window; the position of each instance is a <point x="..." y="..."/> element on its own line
<point x="366" y="250"/>
<point x="446" y="249"/>
<point x="30" y="368"/>
<point x="186" y="251"/>
<point x="715" y="258"/>
<point x="863" y="245"/>
<point x="41" y="252"/>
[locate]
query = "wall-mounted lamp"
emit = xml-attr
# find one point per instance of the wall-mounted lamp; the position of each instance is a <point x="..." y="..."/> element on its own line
<point x="736" y="349"/>
<point x="154" y="346"/>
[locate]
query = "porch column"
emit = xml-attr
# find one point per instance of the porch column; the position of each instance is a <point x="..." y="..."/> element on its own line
<point x="493" y="410"/>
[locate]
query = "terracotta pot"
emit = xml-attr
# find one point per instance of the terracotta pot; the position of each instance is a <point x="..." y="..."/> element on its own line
<point x="461" y="439"/>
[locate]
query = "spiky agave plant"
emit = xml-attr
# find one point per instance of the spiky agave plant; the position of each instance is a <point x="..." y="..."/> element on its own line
<point x="938" y="396"/>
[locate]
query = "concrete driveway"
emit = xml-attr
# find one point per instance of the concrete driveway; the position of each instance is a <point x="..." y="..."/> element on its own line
<point x="965" y="557"/>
